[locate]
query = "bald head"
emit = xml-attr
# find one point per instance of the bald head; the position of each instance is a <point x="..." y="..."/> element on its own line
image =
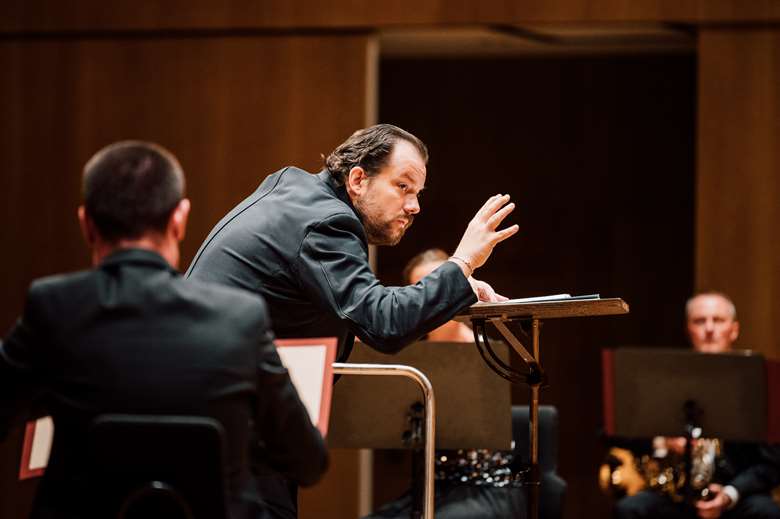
<point x="711" y="322"/>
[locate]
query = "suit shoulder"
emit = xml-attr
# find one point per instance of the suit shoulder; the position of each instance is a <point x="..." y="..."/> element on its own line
<point x="293" y="170"/>
<point x="230" y="300"/>
<point x="337" y="221"/>
<point x="52" y="296"/>
<point x="285" y="174"/>
<point x="60" y="281"/>
<point x="340" y="215"/>
<point x="313" y="200"/>
<point x="60" y="284"/>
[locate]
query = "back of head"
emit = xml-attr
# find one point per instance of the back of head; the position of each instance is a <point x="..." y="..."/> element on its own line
<point x="131" y="188"/>
<point x="369" y="148"/>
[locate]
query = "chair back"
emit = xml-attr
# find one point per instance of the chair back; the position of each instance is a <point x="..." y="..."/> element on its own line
<point x="553" y="488"/>
<point x="548" y="435"/>
<point x="145" y="466"/>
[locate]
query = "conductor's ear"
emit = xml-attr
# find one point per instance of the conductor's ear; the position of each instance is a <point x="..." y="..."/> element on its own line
<point x="356" y="181"/>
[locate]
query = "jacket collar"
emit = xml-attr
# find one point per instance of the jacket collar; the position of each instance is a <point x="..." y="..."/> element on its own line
<point x="338" y="189"/>
<point x="136" y="257"/>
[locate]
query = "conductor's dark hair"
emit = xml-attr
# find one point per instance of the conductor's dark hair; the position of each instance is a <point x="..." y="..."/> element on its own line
<point x="131" y="188"/>
<point x="369" y="149"/>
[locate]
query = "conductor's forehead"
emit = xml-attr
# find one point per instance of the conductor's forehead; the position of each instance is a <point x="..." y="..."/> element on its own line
<point x="406" y="163"/>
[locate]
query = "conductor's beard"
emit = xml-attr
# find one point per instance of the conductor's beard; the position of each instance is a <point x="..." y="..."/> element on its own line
<point x="382" y="229"/>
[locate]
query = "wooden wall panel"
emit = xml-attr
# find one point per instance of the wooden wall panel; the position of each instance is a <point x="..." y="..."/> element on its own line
<point x="50" y="15"/>
<point x="738" y="186"/>
<point x="233" y="109"/>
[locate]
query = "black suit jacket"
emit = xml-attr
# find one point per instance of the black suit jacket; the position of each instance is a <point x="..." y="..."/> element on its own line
<point x="298" y="241"/>
<point x="751" y="468"/>
<point x="132" y="336"/>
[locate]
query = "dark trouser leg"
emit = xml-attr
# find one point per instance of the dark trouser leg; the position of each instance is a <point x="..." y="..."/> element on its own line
<point x="757" y="506"/>
<point x="471" y="502"/>
<point x="650" y="505"/>
<point x="464" y="502"/>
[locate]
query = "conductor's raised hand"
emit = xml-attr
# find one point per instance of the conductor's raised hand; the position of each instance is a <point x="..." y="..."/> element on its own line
<point x="482" y="235"/>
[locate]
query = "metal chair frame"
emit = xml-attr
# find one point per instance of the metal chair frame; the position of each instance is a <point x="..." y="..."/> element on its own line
<point x="398" y="370"/>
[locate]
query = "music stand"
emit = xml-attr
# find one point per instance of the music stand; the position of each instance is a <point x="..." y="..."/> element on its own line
<point x="670" y="392"/>
<point x="463" y="384"/>
<point x="386" y="412"/>
<point x="651" y="388"/>
<point x="528" y="316"/>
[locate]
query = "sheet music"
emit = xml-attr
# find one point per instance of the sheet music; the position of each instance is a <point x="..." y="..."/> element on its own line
<point x="306" y="365"/>
<point x="310" y="364"/>
<point x="38" y="437"/>
<point x="550" y="298"/>
<point x="42" y="440"/>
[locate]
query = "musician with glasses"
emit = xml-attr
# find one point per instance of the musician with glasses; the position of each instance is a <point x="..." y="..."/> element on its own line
<point x="744" y="473"/>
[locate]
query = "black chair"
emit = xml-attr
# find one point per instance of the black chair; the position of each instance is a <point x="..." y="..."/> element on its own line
<point x="148" y="466"/>
<point x="553" y="488"/>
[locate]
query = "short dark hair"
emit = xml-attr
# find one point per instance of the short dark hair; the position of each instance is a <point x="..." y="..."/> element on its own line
<point x="369" y="149"/>
<point x="131" y="188"/>
<point x="423" y="258"/>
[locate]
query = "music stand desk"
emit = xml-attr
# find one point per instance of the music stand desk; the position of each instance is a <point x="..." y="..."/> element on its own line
<point x="546" y="309"/>
<point x="647" y="391"/>
<point x="499" y="314"/>
<point x="374" y="411"/>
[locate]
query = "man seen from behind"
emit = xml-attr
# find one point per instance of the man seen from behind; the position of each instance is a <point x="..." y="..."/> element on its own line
<point x="132" y="336"/>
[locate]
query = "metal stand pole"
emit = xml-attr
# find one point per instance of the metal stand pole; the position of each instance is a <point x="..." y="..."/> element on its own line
<point x="534" y="482"/>
<point x="430" y="410"/>
<point x="535" y="378"/>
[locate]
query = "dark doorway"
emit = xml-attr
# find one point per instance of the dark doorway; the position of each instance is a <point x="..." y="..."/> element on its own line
<point x="598" y="152"/>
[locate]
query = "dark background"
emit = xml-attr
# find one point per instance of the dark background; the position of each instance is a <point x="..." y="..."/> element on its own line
<point x="598" y="154"/>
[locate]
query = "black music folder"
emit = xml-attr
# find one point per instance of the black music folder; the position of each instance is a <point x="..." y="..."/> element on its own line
<point x="473" y="406"/>
<point x="646" y="391"/>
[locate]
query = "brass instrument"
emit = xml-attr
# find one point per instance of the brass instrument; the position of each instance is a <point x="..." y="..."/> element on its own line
<point x="623" y="474"/>
<point x="620" y="475"/>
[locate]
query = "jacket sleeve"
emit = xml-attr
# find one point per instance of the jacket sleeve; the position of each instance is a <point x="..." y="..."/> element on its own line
<point x="289" y="442"/>
<point x="763" y="475"/>
<point x="333" y="269"/>
<point x="20" y="381"/>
